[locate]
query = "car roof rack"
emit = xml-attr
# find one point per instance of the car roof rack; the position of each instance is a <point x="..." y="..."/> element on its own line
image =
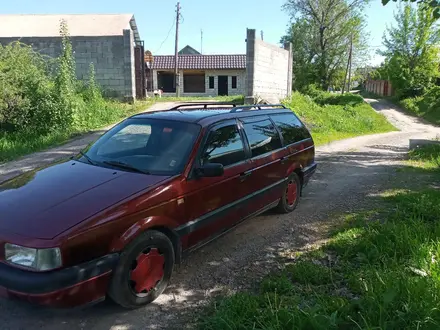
<point x="258" y="107"/>
<point x="203" y="105"/>
<point x="235" y="106"/>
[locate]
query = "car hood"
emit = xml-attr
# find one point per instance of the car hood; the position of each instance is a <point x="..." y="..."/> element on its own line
<point x="46" y="202"/>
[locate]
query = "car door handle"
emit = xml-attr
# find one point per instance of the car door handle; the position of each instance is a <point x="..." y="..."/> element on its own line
<point x="245" y="175"/>
<point x="284" y="160"/>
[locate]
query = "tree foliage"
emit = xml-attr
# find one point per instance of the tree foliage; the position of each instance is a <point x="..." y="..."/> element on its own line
<point x="433" y="4"/>
<point x="411" y="51"/>
<point x="320" y="33"/>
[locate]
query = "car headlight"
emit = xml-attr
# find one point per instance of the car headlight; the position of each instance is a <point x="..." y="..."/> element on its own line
<point x="37" y="259"/>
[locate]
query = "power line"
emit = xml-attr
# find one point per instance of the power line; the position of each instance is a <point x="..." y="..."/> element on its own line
<point x="168" y="34"/>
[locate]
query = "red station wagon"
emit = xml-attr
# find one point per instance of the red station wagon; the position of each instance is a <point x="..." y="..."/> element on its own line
<point x="115" y="219"/>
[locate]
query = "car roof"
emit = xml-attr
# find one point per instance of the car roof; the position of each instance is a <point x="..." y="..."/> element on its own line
<point x="208" y="113"/>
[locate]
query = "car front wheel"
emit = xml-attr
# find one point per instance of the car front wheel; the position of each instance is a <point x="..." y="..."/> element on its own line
<point x="144" y="270"/>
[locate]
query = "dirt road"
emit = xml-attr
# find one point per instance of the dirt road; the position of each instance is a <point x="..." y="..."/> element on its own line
<point x="350" y="173"/>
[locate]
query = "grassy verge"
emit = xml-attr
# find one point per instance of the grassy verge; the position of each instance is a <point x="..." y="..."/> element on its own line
<point x="14" y="145"/>
<point x="334" y="116"/>
<point x="379" y="270"/>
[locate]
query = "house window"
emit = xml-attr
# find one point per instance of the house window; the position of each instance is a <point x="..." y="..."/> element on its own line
<point x="166" y="82"/>
<point x="234" y="82"/>
<point x="211" y="82"/>
<point x="194" y="82"/>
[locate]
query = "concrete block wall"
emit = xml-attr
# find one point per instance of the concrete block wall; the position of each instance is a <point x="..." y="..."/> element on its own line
<point x="268" y="70"/>
<point x="111" y="56"/>
<point x="240" y="90"/>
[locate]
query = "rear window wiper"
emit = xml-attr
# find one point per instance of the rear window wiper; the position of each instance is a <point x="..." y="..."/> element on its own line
<point x="124" y="165"/>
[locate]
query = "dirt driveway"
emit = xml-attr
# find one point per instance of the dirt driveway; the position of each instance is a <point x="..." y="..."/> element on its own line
<point x="350" y="173"/>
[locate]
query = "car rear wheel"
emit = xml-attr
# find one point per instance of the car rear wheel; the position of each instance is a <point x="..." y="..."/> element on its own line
<point x="291" y="194"/>
<point x="143" y="271"/>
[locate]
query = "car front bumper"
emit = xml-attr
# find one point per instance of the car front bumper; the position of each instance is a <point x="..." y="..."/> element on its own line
<point x="68" y="287"/>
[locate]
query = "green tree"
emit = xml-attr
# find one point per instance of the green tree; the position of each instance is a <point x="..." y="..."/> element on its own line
<point x="321" y="33"/>
<point x="411" y="51"/>
<point x="434" y="4"/>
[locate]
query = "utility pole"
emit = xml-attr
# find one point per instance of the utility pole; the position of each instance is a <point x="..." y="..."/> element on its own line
<point x="349" y="71"/>
<point x="176" y="52"/>
<point x="348" y="65"/>
<point x="262" y="35"/>
<point x="201" y="41"/>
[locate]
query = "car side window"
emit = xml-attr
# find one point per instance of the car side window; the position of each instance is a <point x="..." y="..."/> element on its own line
<point x="262" y="136"/>
<point x="290" y="127"/>
<point x="224" y="146"/>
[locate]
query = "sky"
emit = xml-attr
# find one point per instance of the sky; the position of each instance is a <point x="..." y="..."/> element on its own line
<point x="223" y="22"/>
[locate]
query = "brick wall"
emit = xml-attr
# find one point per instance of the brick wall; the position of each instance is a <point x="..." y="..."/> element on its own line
<point x="112" y="56"/>
<point x="268" y="70"/>
<point x="240" y="90"/>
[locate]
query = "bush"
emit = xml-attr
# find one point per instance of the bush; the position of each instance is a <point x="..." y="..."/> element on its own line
<point x="426" y="106"/>
<point x="27" y="93"/>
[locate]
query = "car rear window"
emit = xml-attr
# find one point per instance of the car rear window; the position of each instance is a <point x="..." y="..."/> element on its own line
<point x="290" y="127"/>
<point x="262" y="136"/>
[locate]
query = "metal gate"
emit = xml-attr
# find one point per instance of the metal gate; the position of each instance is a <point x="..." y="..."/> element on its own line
<point x="140" y="75"/>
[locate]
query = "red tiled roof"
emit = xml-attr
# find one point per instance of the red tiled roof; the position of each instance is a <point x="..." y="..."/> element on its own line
<point x="200" y="62"/>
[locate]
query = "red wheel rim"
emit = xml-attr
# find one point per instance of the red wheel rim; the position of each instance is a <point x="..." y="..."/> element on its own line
<point x="147" y="271"/>
<point x="291" y="192"/>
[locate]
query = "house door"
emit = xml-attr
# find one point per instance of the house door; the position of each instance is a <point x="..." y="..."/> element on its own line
<point x="222" y="85"/>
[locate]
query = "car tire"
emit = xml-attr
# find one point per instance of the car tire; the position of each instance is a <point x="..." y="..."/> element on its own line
<point x="291" y="194"/>
<point x="144" y="270"/>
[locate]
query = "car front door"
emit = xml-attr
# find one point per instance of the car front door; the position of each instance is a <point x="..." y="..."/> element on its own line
<point x="214" y="203"/>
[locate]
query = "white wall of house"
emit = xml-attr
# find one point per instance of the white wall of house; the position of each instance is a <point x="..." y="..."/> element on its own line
<point x="240" y="90"/>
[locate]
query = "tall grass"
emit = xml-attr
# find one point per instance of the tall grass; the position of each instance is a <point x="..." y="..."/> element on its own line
<point x="334" y="116"/>
<point x="379" y="270"/>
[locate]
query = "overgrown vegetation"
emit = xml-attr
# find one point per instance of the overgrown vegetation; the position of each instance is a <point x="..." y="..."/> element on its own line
<point x="379" y="270"/>
<point x="412" y="60"/>
<point x="426" y="106"/>
<point x="331" y="116"/>
<point x="42" y="103"/>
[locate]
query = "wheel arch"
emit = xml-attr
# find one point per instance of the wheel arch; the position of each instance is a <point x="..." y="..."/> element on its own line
<point x="159" y="224"/>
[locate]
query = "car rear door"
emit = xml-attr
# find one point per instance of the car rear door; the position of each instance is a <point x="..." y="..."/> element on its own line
<point x="267" y="176"/>
<point x="214" y="203"/>
<point x="297" y="141"/>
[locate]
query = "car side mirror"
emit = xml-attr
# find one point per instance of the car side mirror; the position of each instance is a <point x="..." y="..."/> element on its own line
<point x="210" y="170"/>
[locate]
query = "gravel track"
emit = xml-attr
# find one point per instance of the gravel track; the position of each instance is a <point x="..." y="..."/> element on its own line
<point x="350" y="173"/>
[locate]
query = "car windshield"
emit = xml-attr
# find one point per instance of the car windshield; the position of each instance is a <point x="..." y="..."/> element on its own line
<point x="152" y="146"/>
